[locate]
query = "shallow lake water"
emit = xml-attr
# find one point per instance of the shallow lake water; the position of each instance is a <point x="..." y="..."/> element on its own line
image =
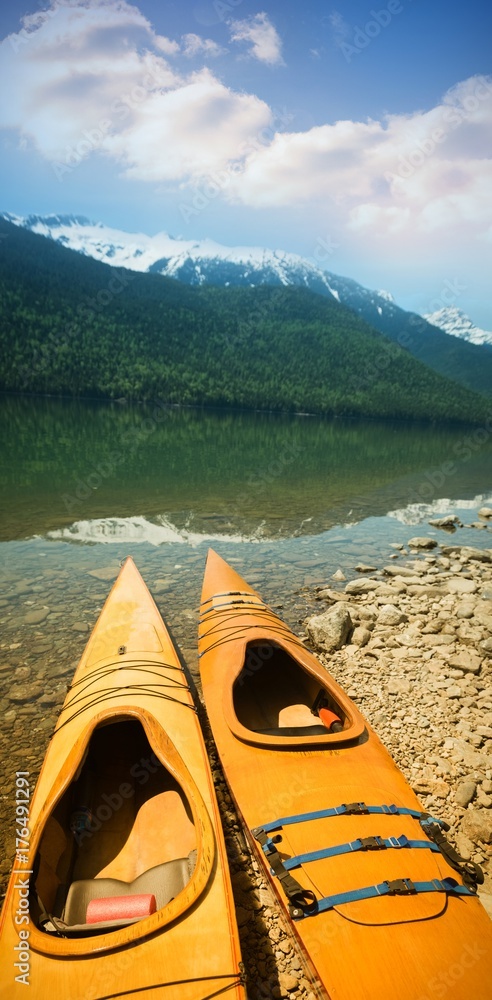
<point x="287" y="499"/>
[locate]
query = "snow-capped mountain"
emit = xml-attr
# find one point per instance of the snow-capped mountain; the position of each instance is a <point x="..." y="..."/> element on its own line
<point x="454" y="321"/>
<point x="202" y="262"/>
<point x="195" y="262"/>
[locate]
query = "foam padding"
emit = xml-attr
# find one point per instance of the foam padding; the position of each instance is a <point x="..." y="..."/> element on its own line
<point x="120" y="908"/>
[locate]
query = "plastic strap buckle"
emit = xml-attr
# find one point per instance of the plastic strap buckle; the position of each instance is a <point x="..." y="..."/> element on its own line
<point x="372" y="843"/>
<point x="354" y="808"/>
<point x="400" y="887"/>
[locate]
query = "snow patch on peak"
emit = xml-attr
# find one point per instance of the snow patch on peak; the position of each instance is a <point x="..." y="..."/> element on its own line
<point x="455" y="322"/>
<point x="387" y="296"/>
<point x="191" y="261"/>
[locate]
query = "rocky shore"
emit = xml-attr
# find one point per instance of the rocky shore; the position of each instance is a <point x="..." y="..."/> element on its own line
<point x="411" y="645"/>
<point x="409" y="641"/>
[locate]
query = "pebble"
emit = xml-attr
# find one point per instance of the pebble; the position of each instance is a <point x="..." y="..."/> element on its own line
<point x="465" y="793"/>
<point x="389" y="615"/>
<point x="106" y="573"/>
<point x="36" y="617"/>
<point x="422" y="543"/>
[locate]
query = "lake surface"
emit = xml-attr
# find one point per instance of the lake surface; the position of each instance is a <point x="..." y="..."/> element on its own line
<point x="288" y="499"/>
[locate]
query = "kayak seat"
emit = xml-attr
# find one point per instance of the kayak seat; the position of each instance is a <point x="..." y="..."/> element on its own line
<point x="314" y="730"/>
<point x="163" y="881"/>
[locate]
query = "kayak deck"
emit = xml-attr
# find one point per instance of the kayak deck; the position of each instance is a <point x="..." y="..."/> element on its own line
<point x="377" y="909"/>
<point x="126" y="875"/>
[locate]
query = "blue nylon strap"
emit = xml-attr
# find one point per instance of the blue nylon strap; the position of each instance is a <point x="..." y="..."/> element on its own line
<point x="384" y="889"/>
<point x="341" y="810"/>
<point x="355" y="845"/>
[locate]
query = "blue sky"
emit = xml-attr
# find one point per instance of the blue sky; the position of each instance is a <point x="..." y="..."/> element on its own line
<point x="357" y="135"/>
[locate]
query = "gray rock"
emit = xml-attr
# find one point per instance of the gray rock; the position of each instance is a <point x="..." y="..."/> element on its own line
<point x="25" y="692"/>
<point x="360" y="636"/>
<point x="477" y="825"/>
<point x="80" y="627"/>
<point x="454" y="691"/>
<point x="36" y="616"/>
<point x="339" y="575"/>
<point x="422" y="543"/>
<point x="485" y="512"/>
<point x="465" y="792"/>
<point x="465" y="610"/>
<point x="332" y="595"/>
<point x="389" y="615"/>
<point x="390" y="590"/>
<point x="362" y="586"/>
<point x="449" y="522"/>
<point x="486" y="647"/>
<point x="399" y="685"/>
<point x="441" y="639"/>
<point x="478" y="555"/>
<point x="459" y="585"/>
<point x="362" y="568"/>
<point x="330" y="630"/>
<point x="106" y="573"/>
<point x="465" y="846"/>
<point x="398" y="571"/>
<point x="469" y="661"/>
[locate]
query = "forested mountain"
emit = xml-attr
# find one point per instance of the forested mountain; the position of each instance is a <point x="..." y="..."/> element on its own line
<point x="205" y="262"/>
<point x="72" y="325"/>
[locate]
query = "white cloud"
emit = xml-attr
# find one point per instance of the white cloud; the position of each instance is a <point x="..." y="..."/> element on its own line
<point x="189" y="132"/>
<point x="262" y="36"/>
<point x="194" y="45"/>
<point x="93" y="76"/>
<point x="422" y="171"/>
<point x="74" y="66"/>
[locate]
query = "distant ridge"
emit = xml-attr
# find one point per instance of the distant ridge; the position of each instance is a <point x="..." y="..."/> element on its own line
<point x="461" y="357"/>
<point x="455" y="322"/>
<point x="70" y="325"/>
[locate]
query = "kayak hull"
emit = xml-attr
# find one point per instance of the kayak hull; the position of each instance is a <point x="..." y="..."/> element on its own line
<point x="284" y="769"/>
<point x="125" y="799"/>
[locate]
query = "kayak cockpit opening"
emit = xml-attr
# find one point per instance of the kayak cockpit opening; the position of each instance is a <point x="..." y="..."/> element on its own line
<point x="275" y="696"/>
<point x="121" y="842"/>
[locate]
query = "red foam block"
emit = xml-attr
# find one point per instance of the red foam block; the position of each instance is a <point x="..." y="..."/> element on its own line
<point x="120" y="908"/>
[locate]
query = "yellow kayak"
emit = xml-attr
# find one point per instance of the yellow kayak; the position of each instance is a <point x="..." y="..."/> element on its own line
<point x="382" y="907"/>
<point x="120" y="885"/>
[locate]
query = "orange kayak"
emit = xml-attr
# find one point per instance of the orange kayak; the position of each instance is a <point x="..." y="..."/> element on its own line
<point x="120" y="885"/>
<point x="380" y="903"/>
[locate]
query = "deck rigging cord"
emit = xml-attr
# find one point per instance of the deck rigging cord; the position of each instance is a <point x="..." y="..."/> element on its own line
<point x="115" y="692"/>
